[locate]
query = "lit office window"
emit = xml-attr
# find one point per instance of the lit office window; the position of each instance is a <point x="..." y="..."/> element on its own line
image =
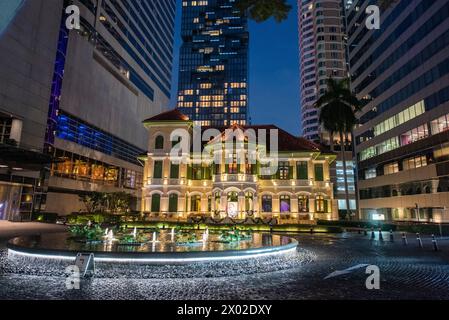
<point x="415" y="162"/>
<point x="391" y="168"/>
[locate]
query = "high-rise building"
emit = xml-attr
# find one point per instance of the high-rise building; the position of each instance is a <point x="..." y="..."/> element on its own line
<point x="213" y="72"/>
<point x="82" y="94"/>
<point x="402" y="143"/>
<point x="322" y="55"/>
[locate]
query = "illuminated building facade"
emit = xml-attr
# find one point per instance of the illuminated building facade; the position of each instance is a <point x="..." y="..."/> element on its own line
<point x="402" y="143"/>
<point x="322" y="55"/>
<point x="81" y="99"/>
<point x="213" y="73"/>
<point x="181" y="187"/>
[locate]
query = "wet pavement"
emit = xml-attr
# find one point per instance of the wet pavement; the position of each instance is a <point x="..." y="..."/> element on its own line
<point x="406" y="272"/>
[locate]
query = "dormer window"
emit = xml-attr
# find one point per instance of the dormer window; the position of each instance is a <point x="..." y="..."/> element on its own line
<point x="159" y="144"/>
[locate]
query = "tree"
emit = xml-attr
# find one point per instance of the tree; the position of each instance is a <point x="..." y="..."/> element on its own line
<point x="119" y="202"/>
<point x="262" y="10"/>
<point x="337" y="107"/>
<point x="92" y="201"/>
<point x="385" y="4"/>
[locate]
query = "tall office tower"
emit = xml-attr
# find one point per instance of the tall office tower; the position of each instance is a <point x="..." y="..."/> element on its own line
<point x="402" y="142"/>
<point x="27" y="54"/>
<point x="213" y="72"/>
<point x="322" y="55"/>
<point x="87" y="111"/>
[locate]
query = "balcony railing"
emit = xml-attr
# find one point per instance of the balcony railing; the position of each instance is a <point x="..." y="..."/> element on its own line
<point x="248" y="178"/>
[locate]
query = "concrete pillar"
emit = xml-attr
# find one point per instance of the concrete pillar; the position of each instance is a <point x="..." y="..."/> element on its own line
<point x="166" y="169"/>
<point x="16" y="130"/>
<point x="311" y="170"/>
<point x="189" y="204"/>
<point x="256" y="207"/>
<point x="312" y="206"/>
<point x="435" y="186"/>
<point x="213" y="202"/>
<point x="164" y="203"/>
<point x="294" y="204"/>
<point x="203" y="204"/>
<point x="147" y="204"/>
<point x="181" y="204"/>
<point x="295" y="173"/>
<point x="242" y="213"/>
<point x="275" y="205"/>
<point x="223" y="204"/>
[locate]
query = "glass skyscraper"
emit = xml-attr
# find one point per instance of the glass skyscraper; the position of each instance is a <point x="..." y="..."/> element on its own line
<point x="402" y="140"/>
<point x="213" y="72"/>
<point x="322" y="56"/>
<point x="82" y="99"/>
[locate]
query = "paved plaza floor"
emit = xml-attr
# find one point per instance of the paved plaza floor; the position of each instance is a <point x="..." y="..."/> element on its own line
<point x="406" y="272"/>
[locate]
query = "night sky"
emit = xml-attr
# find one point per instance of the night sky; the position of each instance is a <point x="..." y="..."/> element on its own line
<point x="274" y="72"/>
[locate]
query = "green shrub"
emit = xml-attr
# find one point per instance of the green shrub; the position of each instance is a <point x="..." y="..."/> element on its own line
<point x="80" y="218"/>
<point x="93" y="233"/>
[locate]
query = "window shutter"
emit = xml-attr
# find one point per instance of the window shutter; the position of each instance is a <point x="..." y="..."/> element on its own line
<point x="189" y="172"/>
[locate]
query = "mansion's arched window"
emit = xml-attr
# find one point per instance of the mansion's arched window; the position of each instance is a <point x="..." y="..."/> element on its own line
<point x="159" y="143"/>
<point x="231" y="164"/>
<point x="173" y="203"/>
<point x="284" y="203"/>
<point x="320" y="204"/>
<point x="249" y="201"/>
<point x="217" y="200"/>
<point x="209" y="203"/>
<point x="195" y="203"/>
<point x="267" y="204"/>
<point x="156" y="203"/>
<point x="233" y="197"/>
<point x="303" y="203"/>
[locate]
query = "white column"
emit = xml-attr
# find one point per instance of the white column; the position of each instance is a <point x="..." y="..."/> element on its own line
<point x="16" y="130"/>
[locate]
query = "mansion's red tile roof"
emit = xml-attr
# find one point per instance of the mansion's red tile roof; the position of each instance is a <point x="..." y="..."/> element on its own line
<point x="286" y="141"/>
<point x="171" y="115"/>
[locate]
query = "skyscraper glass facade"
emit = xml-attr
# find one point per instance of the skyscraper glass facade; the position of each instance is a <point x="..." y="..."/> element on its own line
<point x="322" y="56"/>
<point x="109" y="75"/>
<point x="401" y="72"/>
<point x="213" y="72"/>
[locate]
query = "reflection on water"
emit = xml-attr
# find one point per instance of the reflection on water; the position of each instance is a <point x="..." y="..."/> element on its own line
<point x="164" y="243"/>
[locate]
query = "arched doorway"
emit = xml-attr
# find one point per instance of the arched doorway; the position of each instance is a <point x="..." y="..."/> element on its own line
<point x="233" y="204"/>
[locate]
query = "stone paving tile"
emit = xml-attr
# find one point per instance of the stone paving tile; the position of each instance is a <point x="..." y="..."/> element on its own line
<point x="407" y="272"/>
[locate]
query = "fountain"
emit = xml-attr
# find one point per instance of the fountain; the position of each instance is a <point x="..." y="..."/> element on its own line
<point x="192" y="246"/>
<point x="205" y="236"/>
<point x="110" y="237"/>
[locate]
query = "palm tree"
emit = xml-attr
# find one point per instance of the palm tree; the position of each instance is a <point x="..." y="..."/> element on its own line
<point x="337" y="115"/>
<point x="385" y="4"/>
<point x="262" y="10"/>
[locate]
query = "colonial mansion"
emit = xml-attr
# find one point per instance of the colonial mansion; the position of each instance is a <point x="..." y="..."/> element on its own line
<point x="185" y="185"/>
